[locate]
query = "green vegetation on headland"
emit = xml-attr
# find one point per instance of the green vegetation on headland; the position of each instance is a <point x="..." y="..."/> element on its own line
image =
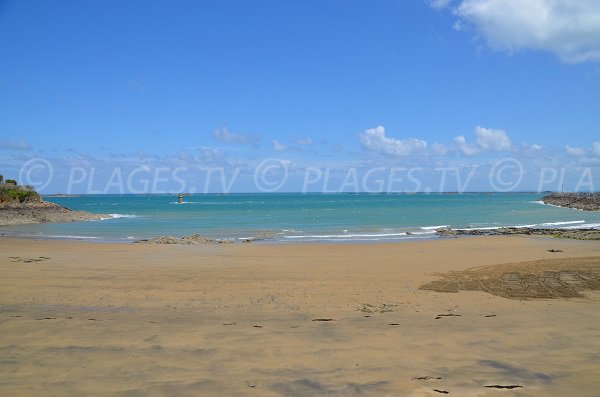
<point x="15" y="193"/>
<point x="22" y="204"/>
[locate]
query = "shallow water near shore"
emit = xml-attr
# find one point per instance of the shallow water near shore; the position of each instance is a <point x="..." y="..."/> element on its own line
<point x="296" y="217"/>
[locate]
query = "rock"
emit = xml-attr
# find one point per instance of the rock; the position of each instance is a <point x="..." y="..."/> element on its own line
<point x="577" y="234"/>
<point x="194" y="239"/>
<point x="16" y="213"/>
<point x="581" y="201"/>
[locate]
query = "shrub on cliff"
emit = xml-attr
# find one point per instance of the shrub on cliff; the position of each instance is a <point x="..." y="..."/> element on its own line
<point x="19" y="194"/>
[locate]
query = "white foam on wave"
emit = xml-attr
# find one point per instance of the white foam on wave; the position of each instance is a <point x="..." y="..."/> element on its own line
<point x="540" y="202"/>
<point x="117" y="216"/>
<point x="363" y="239"/>
<point x="346" y="236"/>
<point x="478" y="228"/>
<point x="71" y="237"/>
<point x="560" y="223"/>
<point x="495" y="227"/>
<point x="434" y="227"/>
<point x="586" y="226"/>
<point x="423" y="233"/>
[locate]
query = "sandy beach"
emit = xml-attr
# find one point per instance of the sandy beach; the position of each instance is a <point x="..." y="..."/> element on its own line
<point x="292" y="320"/>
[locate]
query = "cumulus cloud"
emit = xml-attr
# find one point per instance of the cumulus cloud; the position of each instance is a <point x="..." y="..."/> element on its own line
<point x="569" y="28"/>
<point x="304" y="141"/>
<point x="492" y="139"/>
<point x="594" y="151"/>
<point x="486" y="139"/>
<point x="278" y="146"/>
<point x="467" y="149"/>
<point x="439" y="149"/>
<point x="575" y="151"/>
<point x="224" y="135"/>
<point x="210" y="154"/>
<point x="374" y="140"/>
<point x="15" y="145"/>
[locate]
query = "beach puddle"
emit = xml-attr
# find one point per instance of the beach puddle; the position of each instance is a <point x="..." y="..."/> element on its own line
<point x="544" y="279"/>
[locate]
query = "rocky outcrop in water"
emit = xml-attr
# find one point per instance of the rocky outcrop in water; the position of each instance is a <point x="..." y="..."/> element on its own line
<point x="22" y="204"/>
<point x="577" y="234"/>
<point x="194" y="239"/>
<point x="580" y="201"/>
<point x="16" y="213"/>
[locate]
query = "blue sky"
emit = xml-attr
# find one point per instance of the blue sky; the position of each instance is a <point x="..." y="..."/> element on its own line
<point x="331" y="85"/>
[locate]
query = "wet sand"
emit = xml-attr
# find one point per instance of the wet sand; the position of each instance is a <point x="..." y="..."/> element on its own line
<point x="293" y="320"/>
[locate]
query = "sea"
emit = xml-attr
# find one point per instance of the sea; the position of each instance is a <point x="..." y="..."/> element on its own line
<point x="302" y="217"/>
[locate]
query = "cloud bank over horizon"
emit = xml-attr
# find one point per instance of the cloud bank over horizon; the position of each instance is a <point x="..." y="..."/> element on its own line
<point x="465" y="162"/>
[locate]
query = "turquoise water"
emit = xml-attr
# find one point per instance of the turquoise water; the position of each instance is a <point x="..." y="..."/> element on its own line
<point x="298" y="217"/>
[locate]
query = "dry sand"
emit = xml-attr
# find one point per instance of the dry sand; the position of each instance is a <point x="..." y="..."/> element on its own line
<point x="291" y="320"/>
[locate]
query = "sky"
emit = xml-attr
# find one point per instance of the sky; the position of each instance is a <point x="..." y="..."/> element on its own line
<point x="275" y="96"/>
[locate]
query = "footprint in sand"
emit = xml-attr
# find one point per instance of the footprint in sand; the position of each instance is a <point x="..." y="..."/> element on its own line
<point x="509" y="387"/>
<point x="447" y="315"/>
<point x="28" y="260"/>
<point x="427" y="377"/>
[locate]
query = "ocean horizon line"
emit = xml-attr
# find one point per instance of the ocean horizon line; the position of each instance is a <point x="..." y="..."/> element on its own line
<point x="489" y="192"/>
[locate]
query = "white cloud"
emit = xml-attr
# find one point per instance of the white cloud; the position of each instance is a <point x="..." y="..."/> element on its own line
<point x="467" y="149"/>
<point x="596" y="149"/>
<point x="439" y="149"/>
<point x="568" y="28"/>
<point x="593" y="152"/>
<point x="304" y="141"/>
<point x="15" y="145"/>
<point x="486" y="139"/>
<point x="535" y="146"/>
<point x="374" y="140"/>
<point x="224" y="135"/>
<point x="210" y="154"/>
<point x="491" y="139"/>
<point x="575" y="151"/>
<point x="280" y="147"/>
